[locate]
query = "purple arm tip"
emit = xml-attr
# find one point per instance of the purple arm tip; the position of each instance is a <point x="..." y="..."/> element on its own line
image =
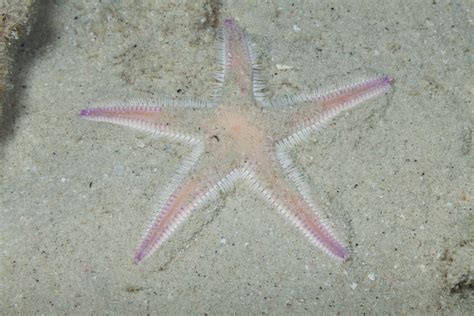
<point x="87" y="112"/>
<point x="388" y="80"/>
<point x="84" y="112"/>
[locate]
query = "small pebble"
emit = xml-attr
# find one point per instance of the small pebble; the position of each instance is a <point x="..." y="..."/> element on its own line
<point x="119" y="170"/>
<point x="371" y="276"/>
<point x="283" y="67"/>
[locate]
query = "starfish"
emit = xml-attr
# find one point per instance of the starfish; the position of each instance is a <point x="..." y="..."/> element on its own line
<point x="239" y="135"/>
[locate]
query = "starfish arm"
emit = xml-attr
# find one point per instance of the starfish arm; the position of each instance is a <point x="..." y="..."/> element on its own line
<point x="301" y="214"/>
<point x="236" y="59"/>
<point x="320" y="108"/>
<point x="158" y="117"/>
<point x="357" y="92"/>
<point x="189" y="190"/>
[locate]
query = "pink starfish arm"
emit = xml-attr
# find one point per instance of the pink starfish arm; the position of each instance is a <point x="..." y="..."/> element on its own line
<point x="297" y="207"/>
<point x="161" y="117"/>
<point x="238" y="64"/>
<point x="333" y="102"/>
<point x="189" y="190"/>
<point x="312" y="110"/>
<point x="196" y="182"/>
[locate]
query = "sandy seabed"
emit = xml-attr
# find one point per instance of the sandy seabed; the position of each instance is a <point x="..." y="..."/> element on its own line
<point x="394" y="175"/>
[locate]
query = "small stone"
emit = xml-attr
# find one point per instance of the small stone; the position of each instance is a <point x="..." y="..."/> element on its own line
<point x="371" y="276"/>
<point x="353" y="285"/>
<point x="119" y="170"/>
<point x="141" y="144"/>
<point x="283" y="67"/>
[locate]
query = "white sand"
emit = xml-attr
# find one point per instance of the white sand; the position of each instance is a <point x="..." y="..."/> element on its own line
<point x="394" y="176"/>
